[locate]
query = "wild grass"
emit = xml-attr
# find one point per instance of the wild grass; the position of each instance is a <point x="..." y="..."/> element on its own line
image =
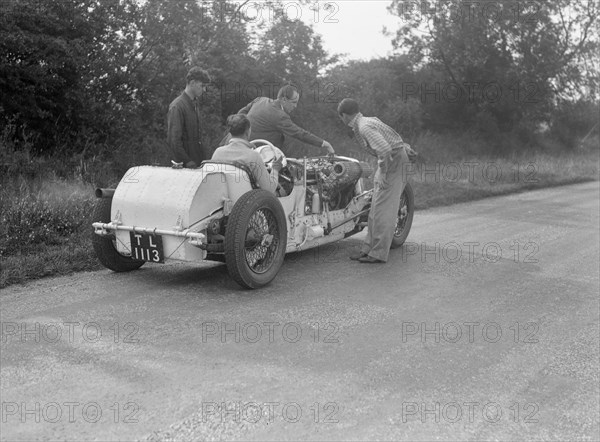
<point x="444" y="183"/>
<point x="450" y="171"/>
<point x="45" y="228"/>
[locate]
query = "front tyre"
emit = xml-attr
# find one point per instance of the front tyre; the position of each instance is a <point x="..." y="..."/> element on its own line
<point x="104" y="246"/>
<point x="255" y="239"/>
<point x="405" y="216"/>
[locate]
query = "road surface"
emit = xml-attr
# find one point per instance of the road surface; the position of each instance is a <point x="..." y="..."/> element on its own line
<point x="485" y="326"/>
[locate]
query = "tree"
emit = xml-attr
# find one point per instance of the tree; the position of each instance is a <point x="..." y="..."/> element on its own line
<point x="292" y="51"/>
<point x="95" y="77"/>
<point x="62" y="66"/>
<point x="504" y="61"/>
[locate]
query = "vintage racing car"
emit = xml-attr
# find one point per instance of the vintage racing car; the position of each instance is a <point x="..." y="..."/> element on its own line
<point x="216" y="212"/>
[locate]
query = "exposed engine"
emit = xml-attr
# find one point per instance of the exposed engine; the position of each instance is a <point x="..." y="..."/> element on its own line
<point x="344" y="173"/>
<point x="332" y="183"/>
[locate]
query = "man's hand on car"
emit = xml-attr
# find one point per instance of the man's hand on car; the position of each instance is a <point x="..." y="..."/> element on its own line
<point x="277" y="164"/>
<point x="329" y="148"/>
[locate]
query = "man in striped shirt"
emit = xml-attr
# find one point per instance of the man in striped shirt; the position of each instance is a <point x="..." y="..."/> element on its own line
<point x="380" y="140"/>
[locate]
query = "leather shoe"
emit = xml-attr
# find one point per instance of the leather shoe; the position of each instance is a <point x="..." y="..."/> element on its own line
<point x="370" y="260"/>
<point x="357" y="256"/>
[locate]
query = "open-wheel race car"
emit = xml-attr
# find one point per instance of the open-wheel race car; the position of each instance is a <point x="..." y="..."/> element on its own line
<point x="216" y="212"/>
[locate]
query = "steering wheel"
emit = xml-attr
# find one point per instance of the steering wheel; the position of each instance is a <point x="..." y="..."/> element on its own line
<point x="260" y="142"/>
<point x="271" y="152"/>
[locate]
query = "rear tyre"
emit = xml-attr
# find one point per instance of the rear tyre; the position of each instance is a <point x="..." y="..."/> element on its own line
<point x="405" y="216"/>
<point x="255" y="239"/>
<point x="104" y="246"/>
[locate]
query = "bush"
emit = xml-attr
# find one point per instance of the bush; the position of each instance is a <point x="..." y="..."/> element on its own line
<point x="572" y="121"/>
<point x="29" y="219"/>
<point x="447" y="147"/>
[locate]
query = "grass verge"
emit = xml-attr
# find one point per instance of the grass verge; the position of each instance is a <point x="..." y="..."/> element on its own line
<point x="45" y="225"/>
<point x="45" y="228"/>
<point x="440" y="184"/>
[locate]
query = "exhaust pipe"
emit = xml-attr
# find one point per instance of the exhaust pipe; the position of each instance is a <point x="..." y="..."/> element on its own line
<point x="346" y="172"/>
<point x="104" y="193"/>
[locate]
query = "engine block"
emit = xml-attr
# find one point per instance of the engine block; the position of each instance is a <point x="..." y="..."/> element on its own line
<point x="332" y="180"/>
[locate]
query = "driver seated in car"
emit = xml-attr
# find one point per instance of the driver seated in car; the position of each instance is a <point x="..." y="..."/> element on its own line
<point x="240" y="150"/>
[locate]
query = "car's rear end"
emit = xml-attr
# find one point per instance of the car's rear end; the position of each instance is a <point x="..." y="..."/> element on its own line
<point x="159" y="213"/>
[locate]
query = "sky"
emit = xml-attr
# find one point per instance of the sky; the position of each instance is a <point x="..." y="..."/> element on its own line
<point x="352" y="26"/>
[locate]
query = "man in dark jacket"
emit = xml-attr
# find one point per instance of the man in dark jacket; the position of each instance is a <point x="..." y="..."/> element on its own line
<point x="183" y="122"/>
<point x="270" y="120"/>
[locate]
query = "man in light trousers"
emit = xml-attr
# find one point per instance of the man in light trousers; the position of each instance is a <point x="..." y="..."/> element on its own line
<point x="380" y="140"/>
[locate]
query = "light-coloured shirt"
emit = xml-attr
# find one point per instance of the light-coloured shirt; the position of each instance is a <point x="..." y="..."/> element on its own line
<point x="242" y="151"/>
<point x="375" y="137"/>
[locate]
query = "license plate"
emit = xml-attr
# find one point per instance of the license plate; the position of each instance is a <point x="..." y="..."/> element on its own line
<point x="146" y="247"/>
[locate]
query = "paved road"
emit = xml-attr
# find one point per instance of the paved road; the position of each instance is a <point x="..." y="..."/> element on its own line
<point x="484" y="327"/>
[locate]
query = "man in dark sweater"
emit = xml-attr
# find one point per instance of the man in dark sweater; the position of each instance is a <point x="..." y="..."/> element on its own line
<point x="270" y="120"/>
<point x="183" y="122"/>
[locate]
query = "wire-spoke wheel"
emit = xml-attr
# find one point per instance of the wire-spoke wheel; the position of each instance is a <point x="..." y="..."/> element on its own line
<point x="405" y="216"/>
<point x="255" y="239"/>
<point x="260" y="244"/>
